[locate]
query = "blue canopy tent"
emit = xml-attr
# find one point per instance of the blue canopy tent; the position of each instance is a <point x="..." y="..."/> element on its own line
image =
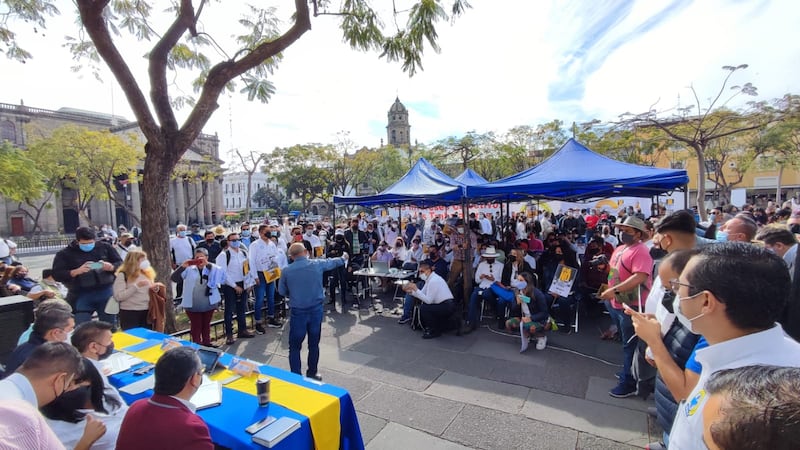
<point x="575" y="173"/>
<point x="423" y="185"/>
<point x="471" y="178"/>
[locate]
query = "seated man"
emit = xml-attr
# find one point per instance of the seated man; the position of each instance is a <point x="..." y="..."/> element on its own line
<point x="437" y="300"/>
<point x="50" y="287"/>
<point x="489" y="270"/>
<point x="50" y="325"/>
<point x="93" y="340"/>
<point x="753" y="407"/>
<point x="168" y="419"/>
<point x="46" y="374"/>
<point x="27" y="285"/>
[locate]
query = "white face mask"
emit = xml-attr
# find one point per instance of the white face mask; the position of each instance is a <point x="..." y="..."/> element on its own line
<point x="144" y="264"/>
<point x="423" y="276"/>
<point x="519" y="284"/>
<point x="685" y="321"/>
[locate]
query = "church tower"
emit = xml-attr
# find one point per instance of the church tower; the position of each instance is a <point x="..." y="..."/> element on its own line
<point x="398" y="131"/>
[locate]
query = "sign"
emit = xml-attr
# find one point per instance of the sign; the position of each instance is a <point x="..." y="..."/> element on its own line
<point x="563" y="280"/>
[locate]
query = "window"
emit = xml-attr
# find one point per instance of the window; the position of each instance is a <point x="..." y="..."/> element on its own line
<point x="226" y="203"/>
<point x="394" y="137"/>
<point x="8" y="132"/>
<point x="240" y="202"/>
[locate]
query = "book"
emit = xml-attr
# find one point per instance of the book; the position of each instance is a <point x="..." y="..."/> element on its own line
<point x="276" y="432"/>
<point x="119" y="362"/>
<point x="208" y="395"/>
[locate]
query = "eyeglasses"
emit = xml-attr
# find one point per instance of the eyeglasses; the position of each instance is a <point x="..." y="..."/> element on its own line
<point x="674" y="284"/>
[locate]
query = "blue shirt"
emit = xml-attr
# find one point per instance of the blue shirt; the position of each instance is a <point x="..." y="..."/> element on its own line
<point x="301" y="281"/>
<point x="692" y="363"/>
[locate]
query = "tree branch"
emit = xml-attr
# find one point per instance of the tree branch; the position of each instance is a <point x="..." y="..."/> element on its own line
<point x="159" y="92"/>
<point x="225" y="71"/>
<point x="92" y="18"/>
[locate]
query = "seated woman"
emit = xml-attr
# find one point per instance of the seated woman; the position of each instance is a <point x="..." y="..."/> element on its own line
<point x="515" y="264"/>
<point x="66" y="415"/>
<point x="383" y="254"/>
<point x="398" y="253"/>
<point x="135" y="279"/>
<point x="27" y="285"/>
<point x="530" y="312"/>
<point x="414" y="255"/>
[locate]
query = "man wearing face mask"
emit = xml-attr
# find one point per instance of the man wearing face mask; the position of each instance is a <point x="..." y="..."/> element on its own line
<point x="739" y="229"/>
<point x="87" y="268"/>
<point x="124" y="244"/>
<point x="246" y="236"/>
<point x="181" y="248"/>
<point x="93" y="341"/>
<point x="337" y="249"/>
<point x="45" y="376"/>
<point x="232" y="261"/>
<point x="629" y="283"/>
<point x="437" y="301"/>
<point x="211" y="245"/>
<point x="488" y="272"/>
<point x="732" y="294"/>
<point x="313" y="240"/>
<point x="50" y="325"/>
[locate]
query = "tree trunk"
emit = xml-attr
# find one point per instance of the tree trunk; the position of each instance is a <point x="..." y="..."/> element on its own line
<point x="155" y="222"/>
<point x="701" y="183"/>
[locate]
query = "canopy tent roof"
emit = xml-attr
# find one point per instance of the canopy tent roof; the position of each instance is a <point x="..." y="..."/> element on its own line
<point x="576" y="173"/>
<point x="423" y="185"/>
<point x="471" y="178"/>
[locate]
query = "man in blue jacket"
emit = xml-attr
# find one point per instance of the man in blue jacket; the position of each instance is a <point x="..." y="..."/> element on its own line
<point x="301" y="283"/>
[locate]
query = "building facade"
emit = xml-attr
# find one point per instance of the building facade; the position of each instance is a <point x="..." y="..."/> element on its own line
<point x="196" y="198"/>
<point x="234" y="190"/>
<point x="398" y="130"/>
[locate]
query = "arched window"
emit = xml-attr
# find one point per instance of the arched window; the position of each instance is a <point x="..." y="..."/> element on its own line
<point x="394" y="137"/>
<point x="8" y="132"/>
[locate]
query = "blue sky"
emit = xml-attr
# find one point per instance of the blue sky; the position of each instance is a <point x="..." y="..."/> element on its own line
<point x="503" y="64"/>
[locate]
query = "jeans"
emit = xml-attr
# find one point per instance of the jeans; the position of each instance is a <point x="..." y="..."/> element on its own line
<point x="264" y="289"/>
<point x="629" y="342"/>
<point x="478" y="294"/>
<point x="238" y="301"/>
<point x="200" y="326"/>
<point x="305" y="321"/>
<point x="87" y="302"/>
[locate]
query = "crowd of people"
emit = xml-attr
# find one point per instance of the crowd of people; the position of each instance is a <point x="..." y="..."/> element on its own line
<point x="693" y="303"/>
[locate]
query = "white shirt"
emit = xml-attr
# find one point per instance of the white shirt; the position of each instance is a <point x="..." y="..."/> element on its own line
<point x="414" y="256"/>
<point x="435" y="290"/>
<point x="653" y="305"/>
<point x="530" y="260"/>
<point x="234" y="272"/>
<point x="108" y="389"/>
<point x="263" y="255"/>
<point x="611" y="239"/>
<point x="313" y="240"/>
<point x="769" y="347"/>
<point x="521" y="234"/>
<point x="17" y="387"/>
<point x="789" y="257"/>
<point x="486" y="225"/>
<point x="70" y="433"/>
<point x="495" y="269"/>
<point x="182" y="248"/>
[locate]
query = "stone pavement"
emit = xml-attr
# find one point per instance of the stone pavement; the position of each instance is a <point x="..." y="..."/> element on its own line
<point x="473" y="391"/>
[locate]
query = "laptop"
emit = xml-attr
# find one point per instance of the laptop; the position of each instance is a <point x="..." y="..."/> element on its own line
<point x="210" y="358"/>
<point x="380" y="267"/>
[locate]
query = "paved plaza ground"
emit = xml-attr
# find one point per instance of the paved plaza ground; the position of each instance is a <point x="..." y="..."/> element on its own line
<point x="473" y="391"/>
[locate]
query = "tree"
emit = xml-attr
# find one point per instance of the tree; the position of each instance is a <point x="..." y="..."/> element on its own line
<point x="778" y="145"/>
<point x="87" y="162"/>
<point x="301" y="171"/>
<point x="252" y="58"/>
<point x="21" y="180"/>
<point x="699" y="129"/>
<point x="270" y="199"/>
<point x="249" y="163"/>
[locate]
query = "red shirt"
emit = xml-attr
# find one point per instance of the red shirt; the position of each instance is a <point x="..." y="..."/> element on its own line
<point x="591" y="221"/>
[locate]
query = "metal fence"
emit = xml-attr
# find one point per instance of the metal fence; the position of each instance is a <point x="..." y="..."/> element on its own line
<point x="43" y="244"/>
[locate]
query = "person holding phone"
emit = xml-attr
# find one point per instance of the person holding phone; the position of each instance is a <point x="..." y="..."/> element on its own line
<point x="202" y="280"/>
<point x="135" y="278"/>
<point x="87" y="267"/>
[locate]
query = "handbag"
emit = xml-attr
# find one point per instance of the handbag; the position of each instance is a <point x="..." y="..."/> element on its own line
<point x="112" y="306"/>
<point x="503" y="294"/>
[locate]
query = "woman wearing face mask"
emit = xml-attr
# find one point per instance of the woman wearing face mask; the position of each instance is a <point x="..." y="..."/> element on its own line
<point x="529" y="311"/>
<point x="135" y="278"/>
<point x="514" y="266"/>
<point x="398" y="253"/>
<point x="66" y="415"/>
<point x="21" y="283"/>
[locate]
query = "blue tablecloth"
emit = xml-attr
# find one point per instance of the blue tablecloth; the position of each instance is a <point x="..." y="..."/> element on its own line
<point x="238" y="410"/>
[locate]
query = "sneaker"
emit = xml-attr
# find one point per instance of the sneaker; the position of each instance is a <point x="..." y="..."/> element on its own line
<point x="403" y="320"/>
<point x="260" y="329"/>
<point x="246" y="334"/>
<point x="316" y="376"/>
<point x="618" y="375"/>
<point x="541" y="343"/>
<point x="622" y="390"/>
<point x="272" y="322"/>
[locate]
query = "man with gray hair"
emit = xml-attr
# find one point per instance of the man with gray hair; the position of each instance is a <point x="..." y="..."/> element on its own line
<point x="301" y="283"/>
<point x="53" y="324"/>
<point x="782" y="242"/>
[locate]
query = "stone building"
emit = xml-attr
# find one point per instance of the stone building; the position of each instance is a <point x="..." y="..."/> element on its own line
<point x="398" y="130"/>
<point x="234" y="190"/>
<point x="192" y="199"/>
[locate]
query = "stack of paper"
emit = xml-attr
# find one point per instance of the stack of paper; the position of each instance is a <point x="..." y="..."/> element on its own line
<point x="276" y="431"/>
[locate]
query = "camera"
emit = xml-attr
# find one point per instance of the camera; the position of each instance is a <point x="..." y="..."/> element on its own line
<point x="599" y="260"/>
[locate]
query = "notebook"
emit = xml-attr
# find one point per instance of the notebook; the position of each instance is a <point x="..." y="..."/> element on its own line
<point x="140" y="386"/>
<point x="119" y="362"/>
<point x="380" y="267"/>
<point x="276" y="432"/>
<point x="208" y="395"/>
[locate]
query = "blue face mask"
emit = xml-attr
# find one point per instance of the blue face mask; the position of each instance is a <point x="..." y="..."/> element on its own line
<point x="245" y="234"/>
<point x="86" y="247"/>
<point x="722" y="236"/>
<point x="234" y="244"/>
<point x="182" y="233"/>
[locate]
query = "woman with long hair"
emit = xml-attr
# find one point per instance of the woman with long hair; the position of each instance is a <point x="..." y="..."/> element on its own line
<point x="529" y="311"/>
<point x="135" y="278"/>
<point x="66" y="415"/>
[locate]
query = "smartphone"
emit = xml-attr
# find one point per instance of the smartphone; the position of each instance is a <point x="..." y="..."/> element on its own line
<point x="96" y="265"/>
<point x="193" y="262"/>
<point x="261" y="424"/>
